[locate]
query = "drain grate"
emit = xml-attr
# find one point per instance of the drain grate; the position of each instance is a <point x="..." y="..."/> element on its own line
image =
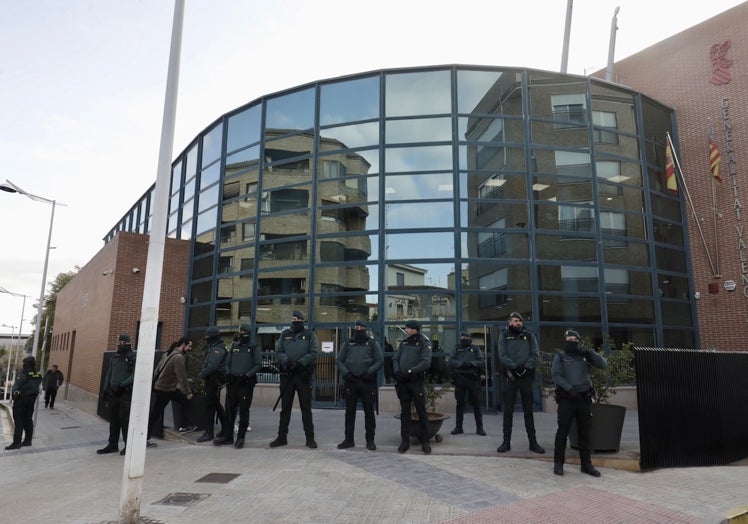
<point x="182" y="499"/>
<point x="218" y="478"/>
<point x="71" y="427"/>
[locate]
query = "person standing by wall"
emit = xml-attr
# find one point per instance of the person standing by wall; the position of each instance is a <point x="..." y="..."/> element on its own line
<point x="170" y="384"/>
<point x="118" y="393"/>
<point x="467" y="361"/>
<point x="359" y="360"/>
<point x="242" y="364"/>
<point x="518" y="356"/>
<point x="53" y="380"/>
<point x="24" y="393"/>
<point x="410" y="363"/>
<point x="296" y="354"/>
<point x="214" y="374"/>
<point x="572" y="374"/>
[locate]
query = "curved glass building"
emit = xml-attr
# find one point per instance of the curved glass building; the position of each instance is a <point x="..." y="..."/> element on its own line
<point x="453" y="195"/>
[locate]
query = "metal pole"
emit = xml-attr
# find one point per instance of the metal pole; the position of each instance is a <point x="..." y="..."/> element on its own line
<point x="567" y="36"/>
<point x="35" y="347"/>
<point x="612" y="45"/>
<point x="132" y="474"/>
<point x="10" y="353"/>
<point x="41" y="365"/>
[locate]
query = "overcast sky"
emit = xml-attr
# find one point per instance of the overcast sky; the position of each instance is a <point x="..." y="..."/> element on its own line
<point x="82" y="85"/>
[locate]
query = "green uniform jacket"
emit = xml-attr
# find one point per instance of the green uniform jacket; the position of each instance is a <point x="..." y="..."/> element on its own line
<point x="27" y="383"/>
<point x="359" y="358"/>
<point x="301" y="347"/>
<point x="215" y="360"/>
<point x="518" y="349"/>
<point x="414" y="354"/>
<point x="121" y="372"/>
<point x="244" y="359"/>
<point x="467" y="361"/>
<point x="573" y="371"/>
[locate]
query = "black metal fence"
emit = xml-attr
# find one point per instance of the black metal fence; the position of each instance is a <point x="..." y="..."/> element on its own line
<point x="693" y="407"/>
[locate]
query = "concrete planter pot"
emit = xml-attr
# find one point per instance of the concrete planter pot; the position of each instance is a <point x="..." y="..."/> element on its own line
<point x="605" y="429"/>
<point x="434" y="423"/>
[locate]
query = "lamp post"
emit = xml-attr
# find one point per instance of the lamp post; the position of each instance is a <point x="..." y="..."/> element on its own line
<point x="10" y="187"/>
<point x="10" y="354"/>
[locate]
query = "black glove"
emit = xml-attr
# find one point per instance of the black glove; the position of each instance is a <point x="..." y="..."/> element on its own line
<point x="368" y="377"/>
<point x="349" y="377"/>
<point x="291" y="365"/>
<point x="519" y="371"/>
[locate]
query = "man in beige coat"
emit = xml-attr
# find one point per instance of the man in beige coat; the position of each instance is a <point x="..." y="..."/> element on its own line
<point x="170" y="383"/>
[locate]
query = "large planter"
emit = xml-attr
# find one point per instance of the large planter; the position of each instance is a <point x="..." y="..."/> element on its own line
<point x="605" y="428"/>
<point x="434" y="424"/>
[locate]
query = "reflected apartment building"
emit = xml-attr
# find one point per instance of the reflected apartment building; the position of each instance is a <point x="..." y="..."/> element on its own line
<point x="453" y="195"/>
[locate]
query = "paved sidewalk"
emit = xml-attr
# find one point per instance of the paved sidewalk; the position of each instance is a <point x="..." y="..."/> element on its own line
<point x="464" y="480"/>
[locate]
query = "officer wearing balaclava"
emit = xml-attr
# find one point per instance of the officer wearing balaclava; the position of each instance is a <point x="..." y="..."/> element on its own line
<point x="213" y="374"/>
<point x="467" y="362"/>
<point x="118" y="393"/>
<point x="572" y="374"/>
<point x="24" y="392"/>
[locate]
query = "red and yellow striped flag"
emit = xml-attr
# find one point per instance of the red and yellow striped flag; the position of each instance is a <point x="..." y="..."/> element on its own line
<point x="670" y="181"/>
<point x="714" y="159"/>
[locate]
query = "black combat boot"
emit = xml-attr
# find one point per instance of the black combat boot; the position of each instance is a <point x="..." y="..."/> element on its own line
<point x="535" y="447"/>
<point x="558" y="468"/>
<point x="346" y="444"/>
<point x="14" y="445"/>
<point x="370" y="445"/>
<point x="457" y="431"/>
<point x="279" y="441"/>
<point x="590" y="470"/>
<point x="110" y="448"/>
<point x="205" y="437"/>
<point x="223" y="441"/>
<point x="504" y="447"/>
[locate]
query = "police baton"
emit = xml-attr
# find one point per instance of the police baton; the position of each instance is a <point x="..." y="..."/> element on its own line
<point x="283" y="390"/>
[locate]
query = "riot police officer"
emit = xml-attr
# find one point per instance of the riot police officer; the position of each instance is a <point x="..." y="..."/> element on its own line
<point x="296" y="354"/>
<point x="118" y="393"/>
<point x="518" y="356"/>
<point x="213" y="375"/>
<point x="466" y="361"/>
<point x="572" y="374"/>
<point x="359" y="361"/>
<point x="410" y="363"/>
<point x="24" y="392"/>
<point x="243" y="362"/>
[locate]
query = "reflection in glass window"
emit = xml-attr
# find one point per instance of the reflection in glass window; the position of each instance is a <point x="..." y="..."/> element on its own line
<point x="212" y="142"/>
<point x="207" y="221"/>
<point x="419" y="187"/>
<point x="284" y="200"/>
<point x="294" y="111"/>
<point x="248" y="231"/>
<point x="492" y="244"/>
<point x="579" y="279"/>
<point x="349" y="101"/>
<point x="176" y="178"/>
<point x="550" y="247"/>
<point x="418" y="93"/>
<point x="243" y="128"/>
<point x="418" y="130"/>
<point x="571" y="164"/>
<point x="208" y="198"/>
<point x="191" y="163"/>
<point x="225" y="264"/>
<point x="418" y="215"/>
<point x="420" y="245"/>
<point x="605" y="127"/>
<point x="352" y="136"/>
<point x="346" y="248"/>
<point x="475" y="86"/>
<point x="293" y="250"/>
<point x="569" y="111"/>
<point x="210" y="175"/>
<point x="569" y="309"/>
<point x="414" y="159"/>
<point x="332" y="169"/>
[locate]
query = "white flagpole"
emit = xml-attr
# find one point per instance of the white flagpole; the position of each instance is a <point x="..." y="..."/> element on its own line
<point x="715" y="215"/>
<point x="682" y="180"/>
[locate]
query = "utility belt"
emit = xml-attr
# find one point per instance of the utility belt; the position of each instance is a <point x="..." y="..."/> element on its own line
<point x="241" y="379"/>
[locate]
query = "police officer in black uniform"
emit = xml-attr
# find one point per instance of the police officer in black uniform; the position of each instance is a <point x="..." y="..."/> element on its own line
<point x="518" y="356"/>
<point x="359" y="360"/>
<point x="466" y="361"/>
<point x="242" y="364"/>
<point x="24" y="392"/>
<point x="296" y="354"/>
<point x="118" y="393"/>
<point x="213" y="375"/>
<point x="572" y="374"/>
<point x="410" y="363"/>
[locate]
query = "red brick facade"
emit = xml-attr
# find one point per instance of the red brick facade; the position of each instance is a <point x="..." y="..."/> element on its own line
<point x="105" y="299"/>
<point x="680" y="72"/>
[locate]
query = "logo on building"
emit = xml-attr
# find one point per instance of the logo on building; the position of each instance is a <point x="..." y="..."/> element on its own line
<point x="720" y="64"/>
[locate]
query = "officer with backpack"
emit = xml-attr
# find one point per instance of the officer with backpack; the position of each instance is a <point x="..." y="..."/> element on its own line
<point x="359" y="361"/>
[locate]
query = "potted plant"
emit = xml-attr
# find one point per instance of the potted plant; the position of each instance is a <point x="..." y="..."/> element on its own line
<point x="607" y="418"/>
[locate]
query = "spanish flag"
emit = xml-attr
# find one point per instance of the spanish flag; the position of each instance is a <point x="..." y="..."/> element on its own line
<point x="670" y="181"/>
<point x="714" y="159"/>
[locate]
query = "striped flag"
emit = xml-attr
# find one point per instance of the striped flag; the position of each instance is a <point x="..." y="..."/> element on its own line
<point x="714" y="159"/>
<point x="670" y="181"/>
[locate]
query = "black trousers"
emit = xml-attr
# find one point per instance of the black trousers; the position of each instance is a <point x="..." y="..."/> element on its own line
<point x="579" y="408"/>
<point x="119" y="416"/>
<point x="524" y="385"/>
<point x="213" y="405"/>
<point x="160" y="400"/>
<point x="469" y="385"/>
<point x="412" y="393"/>
<point x="50" y="394"/>
<point x="23" y="418"/>
<point x="366" y="392"/>
<point x="238" y="396"/>
<point x="301" y="384"/>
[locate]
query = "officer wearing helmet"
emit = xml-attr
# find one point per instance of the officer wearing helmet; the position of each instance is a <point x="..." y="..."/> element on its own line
<point x="243" y="362"/>
<point x="213" y="374"/>
<point x="24" y="393"/>
<point x="117" y="393"/>
<point x="572" y="374"/>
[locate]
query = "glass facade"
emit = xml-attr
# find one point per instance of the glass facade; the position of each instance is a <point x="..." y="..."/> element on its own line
<point x="452" y="195"/>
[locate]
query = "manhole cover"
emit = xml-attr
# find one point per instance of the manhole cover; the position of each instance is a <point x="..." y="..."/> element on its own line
<point x="182" y="499"/>
<point x="218" y="478"/>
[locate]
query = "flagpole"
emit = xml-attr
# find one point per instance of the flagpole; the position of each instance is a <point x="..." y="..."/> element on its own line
<point x="714" y="198"/>
<point x="690" y="202"/>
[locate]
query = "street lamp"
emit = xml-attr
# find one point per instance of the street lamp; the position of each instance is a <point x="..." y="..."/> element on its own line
<point x="10" y="187"/>
<point x="10" y="354"/>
